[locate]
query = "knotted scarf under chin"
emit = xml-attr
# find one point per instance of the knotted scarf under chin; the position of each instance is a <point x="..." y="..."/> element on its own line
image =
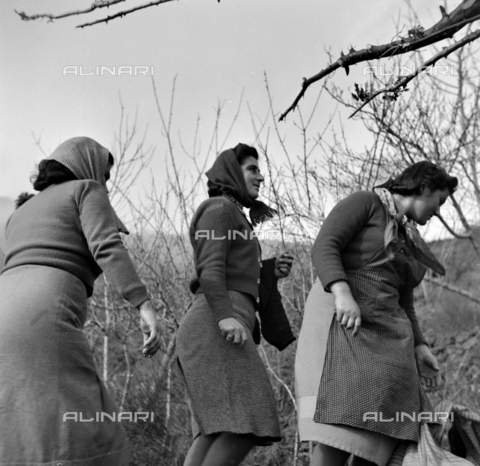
<point x="227" y="174"/>
<point x="415" y="242"/>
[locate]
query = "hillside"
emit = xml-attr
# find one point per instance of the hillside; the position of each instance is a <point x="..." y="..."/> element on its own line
<point x="443" y="310"/>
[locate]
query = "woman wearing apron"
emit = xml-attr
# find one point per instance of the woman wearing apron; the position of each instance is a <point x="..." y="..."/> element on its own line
<point x="361" y="351"/>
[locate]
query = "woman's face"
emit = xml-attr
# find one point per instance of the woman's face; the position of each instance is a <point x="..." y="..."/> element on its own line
<point x="424" y="206"/>
<point x="252" y="175"/>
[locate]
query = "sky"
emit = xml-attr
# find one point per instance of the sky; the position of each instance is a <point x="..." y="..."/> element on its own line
<point x="216" y="51"/>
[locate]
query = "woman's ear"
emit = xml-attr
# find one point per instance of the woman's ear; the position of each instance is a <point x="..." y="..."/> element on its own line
<point x="423" y="186"/>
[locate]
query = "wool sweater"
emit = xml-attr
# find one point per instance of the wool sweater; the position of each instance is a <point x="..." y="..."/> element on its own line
<point x="226" y="255"/>
<point x="72" y="226"/>
<point x="350" y="235"/>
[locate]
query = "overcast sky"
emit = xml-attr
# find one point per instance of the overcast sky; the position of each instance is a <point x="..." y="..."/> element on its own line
<point x="216" y="50"/>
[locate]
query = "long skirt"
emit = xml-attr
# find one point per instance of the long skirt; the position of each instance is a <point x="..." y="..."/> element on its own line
<point x="228" y="385"/>
<point x="309" y="366"/>
<point x="53" y="405"/>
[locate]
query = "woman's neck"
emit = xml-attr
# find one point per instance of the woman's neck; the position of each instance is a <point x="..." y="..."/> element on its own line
<point x="402" y="204"/>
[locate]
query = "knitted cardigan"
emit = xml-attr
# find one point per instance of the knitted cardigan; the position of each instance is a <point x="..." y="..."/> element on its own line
<point x="227" y="256"/>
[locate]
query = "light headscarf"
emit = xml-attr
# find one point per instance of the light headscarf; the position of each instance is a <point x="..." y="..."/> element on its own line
<point x="87" y="160"/>
<point x="416" y="244"/>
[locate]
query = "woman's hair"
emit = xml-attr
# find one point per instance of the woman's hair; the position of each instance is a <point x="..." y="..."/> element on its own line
<point x="242" y="152"/>
<point x="50" y="172"/>
<point x="22" y="198"/>
<point x="416" y="177"/>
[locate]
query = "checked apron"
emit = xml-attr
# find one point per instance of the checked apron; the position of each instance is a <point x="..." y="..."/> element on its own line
<point x="369" y="380"/>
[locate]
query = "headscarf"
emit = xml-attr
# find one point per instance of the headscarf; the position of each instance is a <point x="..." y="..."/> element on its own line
<point x="227" y="174"/>
<point x="87" y="160"/>
<point x="416" y="244"/>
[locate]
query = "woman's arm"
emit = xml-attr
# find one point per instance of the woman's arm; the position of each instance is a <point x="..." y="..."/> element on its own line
<point x="406" y="302"/>
<point x="98" y="224"/>
<point x="211" y="240"/>
<point x="346" y="308"/>
<point x="343" y="223"/>
<point x="427" y="365"/>
<point x="99" y="228"/>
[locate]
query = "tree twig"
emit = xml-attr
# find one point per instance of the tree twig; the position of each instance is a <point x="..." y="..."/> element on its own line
<point x="95" y="5"/>
<point x="467" y="12"/>
<point x="123" y="13"/>
<point x="402" y="83"/>
<point x="453" y="288"/>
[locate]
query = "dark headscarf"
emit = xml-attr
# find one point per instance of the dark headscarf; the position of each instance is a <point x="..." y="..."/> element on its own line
<point x="227" y="174"/>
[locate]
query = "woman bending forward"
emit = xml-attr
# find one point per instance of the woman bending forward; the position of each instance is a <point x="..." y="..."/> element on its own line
<point x="361" y="350"/>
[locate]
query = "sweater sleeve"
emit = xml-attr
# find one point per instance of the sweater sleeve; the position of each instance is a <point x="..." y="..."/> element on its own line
<point x="211" y="244"/>
<point x="345" y="220"/>
<point x="406" y="302"/>
<point x="98" y="222"/>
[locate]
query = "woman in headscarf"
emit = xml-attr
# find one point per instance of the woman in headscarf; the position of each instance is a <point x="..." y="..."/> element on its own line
<point x="231" y="397"/>
<point x="361" y="355"/>
<point x="58" y="243"/>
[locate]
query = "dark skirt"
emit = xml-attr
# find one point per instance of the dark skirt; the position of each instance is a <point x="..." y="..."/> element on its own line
<point x="228" y="385"/>
<point x="49" y="387"/>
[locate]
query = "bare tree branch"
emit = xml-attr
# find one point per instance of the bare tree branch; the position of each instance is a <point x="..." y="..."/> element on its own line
<point x="465" y="13"/>
<point x="453" y="288"/>
<point x="123" y="13"/>
<point x="402" y="83"/>
<point x="95" y="5"/>
<point x="452" y="232"/>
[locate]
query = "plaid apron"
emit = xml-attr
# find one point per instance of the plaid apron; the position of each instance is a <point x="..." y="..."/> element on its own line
<point x="370" y="381"/>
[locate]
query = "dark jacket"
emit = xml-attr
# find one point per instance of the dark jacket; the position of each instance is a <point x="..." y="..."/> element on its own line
<point x="275" y="326"/>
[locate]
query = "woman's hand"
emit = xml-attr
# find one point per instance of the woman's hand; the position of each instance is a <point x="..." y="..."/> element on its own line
<point x="348" y="312"/>
<point x="427" y="366"/>
<point x="233" y="331"/>
<point x="150" y="327"/>
<point x="283" y="265"/>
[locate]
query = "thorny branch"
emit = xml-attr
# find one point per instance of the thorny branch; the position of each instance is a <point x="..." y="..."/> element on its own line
<point x="467" y="12"/>
<point x="95" y="5"/>
<point x="123" y="13"/>
<point x="401" y="84"/>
